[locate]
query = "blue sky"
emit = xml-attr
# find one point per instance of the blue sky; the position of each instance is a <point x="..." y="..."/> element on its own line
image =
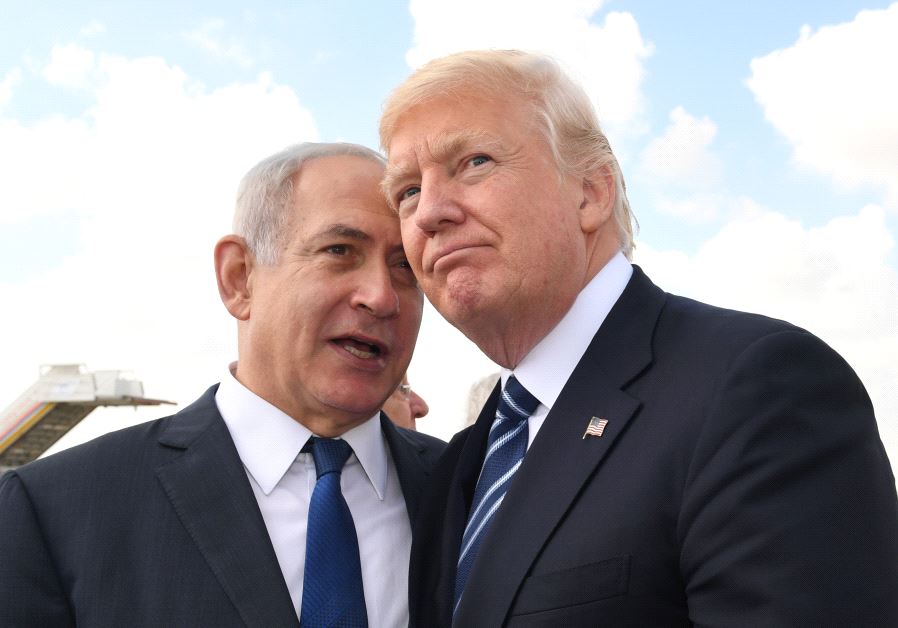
<point x="758" y="141"/>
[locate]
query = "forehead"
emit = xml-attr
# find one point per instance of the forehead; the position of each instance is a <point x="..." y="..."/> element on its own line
<point x="335" y="187"/>
<point x="444" y="125"/>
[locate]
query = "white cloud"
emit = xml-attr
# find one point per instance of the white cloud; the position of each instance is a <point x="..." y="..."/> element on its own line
<point x="695" y="208"/>
<point x="12" y="78"/>
<point x="210" y="37"/>
<point x="70" y="66"/>
<point x="681" y="166"/>
<point x="26" y="189"/>
<point x="150" y="170"/>
<point x="833" y="95"/>
<point x="834" y="280"/>
<point x="152" y="127"/>
<point x="681" y="154"/>
<point x="607" y="59"/>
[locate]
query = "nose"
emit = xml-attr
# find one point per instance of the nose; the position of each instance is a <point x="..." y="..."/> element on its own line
<point x="438" y="205"/>
<point x="417" y="405"/>
<point x="375" y="292"/>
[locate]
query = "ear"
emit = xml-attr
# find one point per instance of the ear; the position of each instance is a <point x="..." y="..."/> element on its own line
<point x="598" y="199"/>
<point x="233" y="266"/>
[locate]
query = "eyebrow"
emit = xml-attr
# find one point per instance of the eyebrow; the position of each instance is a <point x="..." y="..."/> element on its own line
<point x="440" y="148"/>
<point x="342" y="231"/>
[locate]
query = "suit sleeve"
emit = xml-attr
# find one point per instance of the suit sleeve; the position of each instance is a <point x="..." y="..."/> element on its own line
<point x="30" y="591"/>
<point x="790" y="516"/>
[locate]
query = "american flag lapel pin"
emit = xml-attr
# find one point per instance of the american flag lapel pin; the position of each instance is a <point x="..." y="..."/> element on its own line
<point x="595" y="428"/>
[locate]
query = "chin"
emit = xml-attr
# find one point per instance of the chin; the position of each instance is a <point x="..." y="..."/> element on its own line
<point x="461" y="300"/>
<point x="355" y="406"/>
<point x="355" y="398"/>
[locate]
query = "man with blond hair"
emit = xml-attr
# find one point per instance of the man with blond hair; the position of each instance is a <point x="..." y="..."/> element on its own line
<point x="282" y="496"/>
<point x="646" y="460"/>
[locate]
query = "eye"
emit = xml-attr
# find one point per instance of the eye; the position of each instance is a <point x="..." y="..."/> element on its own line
<point x="400" y="261"/>
<point x="409" y="192"/>
<point x="404" y="272"/>
<point x="337" y="249"/>
<point x="479" y="160"/>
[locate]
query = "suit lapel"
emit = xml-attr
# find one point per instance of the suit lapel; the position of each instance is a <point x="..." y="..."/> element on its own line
<point x="560" y="460"/>
<point x="410" y="467"/>
<point x="470" y="445"/>
<point x="209" y="490"/>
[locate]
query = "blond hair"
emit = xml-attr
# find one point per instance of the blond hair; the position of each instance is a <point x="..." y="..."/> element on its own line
<point x="563" y="111"/>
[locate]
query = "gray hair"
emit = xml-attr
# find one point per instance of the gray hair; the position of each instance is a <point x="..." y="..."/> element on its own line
<point x="265" y="194"/>
<point x="563" y="111"/>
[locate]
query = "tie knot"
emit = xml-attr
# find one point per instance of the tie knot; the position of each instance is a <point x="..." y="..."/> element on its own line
<point x="330" y="455"/>
<point x="516" y="403"/>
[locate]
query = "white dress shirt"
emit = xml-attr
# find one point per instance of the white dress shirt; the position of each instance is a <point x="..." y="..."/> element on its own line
<point x="545" y="370"/>
<point x="269" y="442"/>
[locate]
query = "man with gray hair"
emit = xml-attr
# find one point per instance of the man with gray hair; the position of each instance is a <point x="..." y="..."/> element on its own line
<point x="646" y="460"/>
<point x="283" y="496"/>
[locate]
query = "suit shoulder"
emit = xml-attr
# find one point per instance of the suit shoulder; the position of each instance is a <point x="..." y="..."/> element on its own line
<point x="425" y="441"/>
<point x="686" y="320"/>
<point x="430" y="446"/>
<point x="708" y="341"/>
<point x="102" y="450"/>
<point x="704" y="313"/>
<point x="128" y="449"/>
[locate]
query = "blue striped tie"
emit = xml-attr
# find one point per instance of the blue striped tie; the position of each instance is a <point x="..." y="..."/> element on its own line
<point x="505" y="450"/>
<point x="332" y="591"/>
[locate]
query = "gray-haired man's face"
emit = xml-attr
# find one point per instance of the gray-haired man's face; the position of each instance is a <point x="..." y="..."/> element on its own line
<point x="333" y="324"/>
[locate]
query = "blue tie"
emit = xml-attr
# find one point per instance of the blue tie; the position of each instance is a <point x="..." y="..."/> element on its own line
<point x="332" y="593"/>
<point x="505" y="450"/>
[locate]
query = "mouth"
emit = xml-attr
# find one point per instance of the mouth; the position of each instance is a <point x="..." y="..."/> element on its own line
<point x="444" y="255"/>
<point x="362" y="348"/>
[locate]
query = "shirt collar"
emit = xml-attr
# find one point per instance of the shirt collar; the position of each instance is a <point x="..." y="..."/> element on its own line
<point x="268" y="440"/>
<point x="545" y="370"/>
<point x="370" y="447"/>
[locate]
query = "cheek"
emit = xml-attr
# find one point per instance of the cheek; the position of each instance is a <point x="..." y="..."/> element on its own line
<point x="413" y="242"/>
<point x="414" y="305"/>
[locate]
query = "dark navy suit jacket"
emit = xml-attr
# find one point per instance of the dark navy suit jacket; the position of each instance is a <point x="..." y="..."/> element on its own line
<point x="154" y="525"/>
<point x="740" y="481"/>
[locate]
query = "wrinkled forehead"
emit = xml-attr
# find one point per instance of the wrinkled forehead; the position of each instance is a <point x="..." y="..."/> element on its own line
<point x="436" y="144"/>
<point x="338" y="180"/>
<point x="342" y="189"/>
<point x="442" y="128"/>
